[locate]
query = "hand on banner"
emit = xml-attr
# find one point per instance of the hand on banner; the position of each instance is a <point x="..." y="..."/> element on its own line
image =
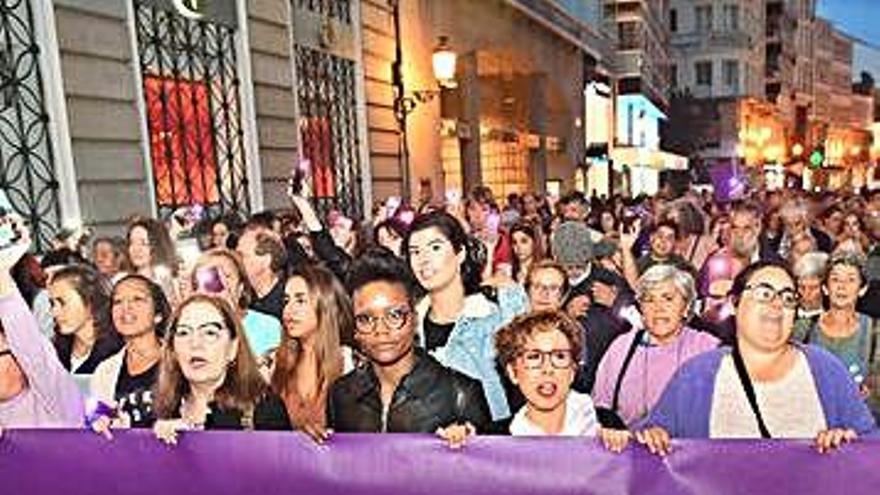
<point x="656" y="439"/>
<point x="833" y="439"/>
<point x="456" y="435"/>
<point x="166" y="430"/>
<point x="317" y="433"/>
<point x="101" y="426"/>
<point x="614" y="440"/>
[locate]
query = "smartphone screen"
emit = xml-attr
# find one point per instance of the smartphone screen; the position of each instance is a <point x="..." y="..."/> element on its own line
<point x="209" y="280"/>
<point x="8" y="235"/>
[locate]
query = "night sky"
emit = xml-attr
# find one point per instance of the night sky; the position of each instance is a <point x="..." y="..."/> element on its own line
<point x="858" y="18"/>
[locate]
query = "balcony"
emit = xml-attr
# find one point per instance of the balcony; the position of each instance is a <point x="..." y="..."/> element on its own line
<point x="572" y="25"/>
<point x="738" y="39"/>
<point x="731" y="40"/>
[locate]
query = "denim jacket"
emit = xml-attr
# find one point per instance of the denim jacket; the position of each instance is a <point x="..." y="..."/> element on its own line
<point x="471" y="345"/>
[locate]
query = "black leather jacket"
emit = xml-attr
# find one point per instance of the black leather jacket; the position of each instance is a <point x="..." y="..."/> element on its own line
<point x="431" y="396"/>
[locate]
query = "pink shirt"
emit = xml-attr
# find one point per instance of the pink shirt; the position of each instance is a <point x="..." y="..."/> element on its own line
<point x="649" y="371"/>
<point x="51" y="398"/>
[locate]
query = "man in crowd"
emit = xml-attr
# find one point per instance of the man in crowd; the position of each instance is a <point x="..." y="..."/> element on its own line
<point x="265" y="259"/>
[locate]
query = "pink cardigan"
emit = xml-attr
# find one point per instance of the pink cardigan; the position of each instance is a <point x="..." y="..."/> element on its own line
<point x="51" y="399"/>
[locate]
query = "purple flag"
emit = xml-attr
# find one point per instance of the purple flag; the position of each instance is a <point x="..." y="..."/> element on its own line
<point x="263" y="463"/>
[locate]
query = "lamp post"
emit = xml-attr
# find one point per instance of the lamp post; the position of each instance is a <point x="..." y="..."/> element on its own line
<point x="443" y="63"/>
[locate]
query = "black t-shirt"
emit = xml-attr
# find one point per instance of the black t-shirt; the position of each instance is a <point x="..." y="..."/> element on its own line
<point x="127" y="383"/>
<point x="273" y="302"/>
<point x="138" y="406"/>
<point x="436" y="334"/>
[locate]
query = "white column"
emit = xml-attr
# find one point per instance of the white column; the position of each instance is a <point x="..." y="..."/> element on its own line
<point x="56" y="106"/>
<point x="141" y="104"/>
<point x="248" y="110"/>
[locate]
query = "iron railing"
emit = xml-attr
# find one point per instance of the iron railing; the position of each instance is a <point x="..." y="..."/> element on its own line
<point x="27" y="164"/>
<point x="191" y="89"/>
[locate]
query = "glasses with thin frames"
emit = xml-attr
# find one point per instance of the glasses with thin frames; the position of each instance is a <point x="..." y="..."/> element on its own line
<point x="393" y="319"/>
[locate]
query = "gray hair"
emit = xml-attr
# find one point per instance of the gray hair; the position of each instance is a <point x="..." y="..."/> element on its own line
<point x="851" y="258"/>
<point x="658" y="274"/>
<point x="812" y="264"/>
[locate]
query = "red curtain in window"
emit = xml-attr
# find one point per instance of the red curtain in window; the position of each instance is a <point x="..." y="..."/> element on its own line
<point x="317" y="145"/>
<point x="181" y="141"/>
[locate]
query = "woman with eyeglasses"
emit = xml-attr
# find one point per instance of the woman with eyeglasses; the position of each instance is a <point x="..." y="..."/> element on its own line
<point x="766" y="386"/>
<point x="456" y="321"/>
<point x="209" y="378"/>
<point x="221" y="272"/>
<point x="546" y="285"/>
<point x="401" y="388"/>
<point x="317" y="318"/>
<point x="539" y="352"/>
<point x="842" y="330"/>
<point x="639" y="363"/>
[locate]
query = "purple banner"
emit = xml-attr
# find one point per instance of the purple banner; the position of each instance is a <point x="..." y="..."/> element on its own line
<point x="219" y="463"/>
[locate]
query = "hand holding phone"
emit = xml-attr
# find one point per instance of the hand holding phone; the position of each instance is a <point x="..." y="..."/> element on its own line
<point x="9" y="231"/>
<point x="298" y="183"/>
<point x="209" y="280"/>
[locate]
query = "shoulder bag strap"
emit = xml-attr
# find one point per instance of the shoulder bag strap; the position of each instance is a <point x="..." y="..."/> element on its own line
<point x="626" y="361"/>
<point x="749" y="389"/>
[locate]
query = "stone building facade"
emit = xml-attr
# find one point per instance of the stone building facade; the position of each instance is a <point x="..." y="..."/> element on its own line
<point x="145" y="106"/>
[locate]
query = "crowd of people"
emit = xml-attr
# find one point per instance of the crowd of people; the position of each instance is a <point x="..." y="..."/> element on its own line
<point x="632" y="320"/>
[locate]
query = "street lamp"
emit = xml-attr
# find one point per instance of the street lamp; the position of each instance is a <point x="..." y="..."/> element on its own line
<point x="443" y="63"/>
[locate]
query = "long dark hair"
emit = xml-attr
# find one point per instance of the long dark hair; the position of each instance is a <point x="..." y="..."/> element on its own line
<point x="534" y="233"/>
<point x="243" y="386"/>
<point x="451" y="229"/>
<point x="161" y="245"/>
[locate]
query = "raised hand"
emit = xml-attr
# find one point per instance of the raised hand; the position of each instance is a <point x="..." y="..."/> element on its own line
<point x="10" y="255"/>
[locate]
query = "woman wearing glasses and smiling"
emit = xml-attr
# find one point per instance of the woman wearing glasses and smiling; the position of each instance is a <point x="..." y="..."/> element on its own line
<point x="208" y="378"/>
<point x="766" y="386"/>
<point x="402" y="388"/>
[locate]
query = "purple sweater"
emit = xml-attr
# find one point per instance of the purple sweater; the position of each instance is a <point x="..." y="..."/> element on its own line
<point x="685" y="407"/>
<point x="51" y="399"/>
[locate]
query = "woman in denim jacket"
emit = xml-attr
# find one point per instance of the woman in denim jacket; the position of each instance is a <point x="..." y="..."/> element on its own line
<point x="457" y="319"/>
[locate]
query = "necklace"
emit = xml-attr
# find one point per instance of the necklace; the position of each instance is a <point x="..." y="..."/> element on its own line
<point x="193" y="419"/>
